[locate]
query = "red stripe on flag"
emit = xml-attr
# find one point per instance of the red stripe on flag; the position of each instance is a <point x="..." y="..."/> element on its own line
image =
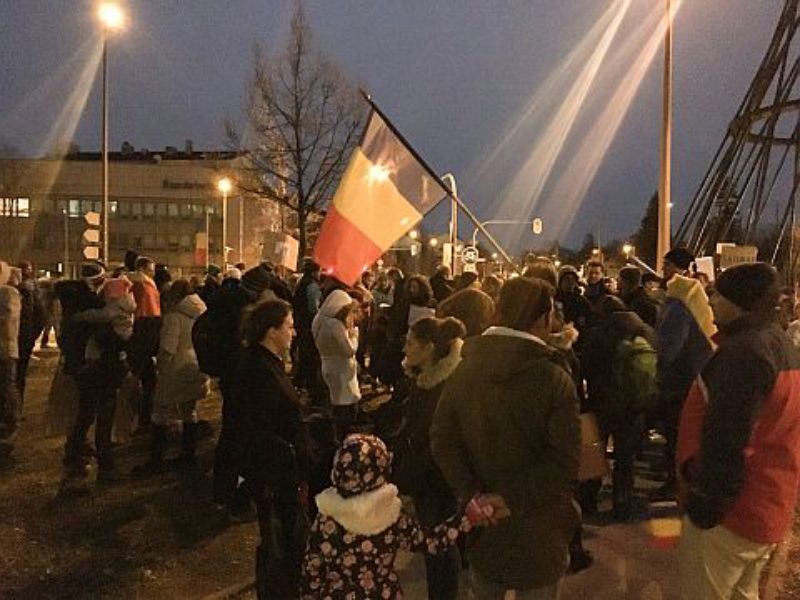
<point x="342" y="250"/>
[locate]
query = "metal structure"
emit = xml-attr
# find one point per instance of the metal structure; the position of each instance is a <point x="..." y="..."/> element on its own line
<point x="757" y="167"/>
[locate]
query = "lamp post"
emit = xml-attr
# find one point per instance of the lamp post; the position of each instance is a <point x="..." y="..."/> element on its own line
<point x="485" y="223"/>
<point x="111" y="17"/>
<point x="664" y="203"/>
<point x="224" y="185"/>
<point x="241" y="228"/>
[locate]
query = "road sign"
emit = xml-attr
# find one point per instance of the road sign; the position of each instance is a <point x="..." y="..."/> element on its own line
<point x="537" y="226"/>
<point x="91" y="236"/>
<point x="91" y="252"/>
<point x="470" y="268"/>
<point x="92" y="218"/>
<point x="469" y="255"/>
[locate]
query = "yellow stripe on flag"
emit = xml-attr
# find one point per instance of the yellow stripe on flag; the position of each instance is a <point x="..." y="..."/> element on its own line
<point x="368" y="198"/>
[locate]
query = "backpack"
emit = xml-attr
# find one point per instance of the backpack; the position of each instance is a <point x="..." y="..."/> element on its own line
<point x="208" y="339"/>
<point x="635" y="374"/>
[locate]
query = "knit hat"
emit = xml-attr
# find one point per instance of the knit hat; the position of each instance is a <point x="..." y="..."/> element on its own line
<point x="256" y="280"/>
<point x="130" y="260"/>
<point x="362" y="464"/>
<point x="92" y="270"/>
<point x="113" y="289"/>
<point x="680" y="257"/>
<point x="751" y="287"/>
<point x="630" y="275"/>
<point x="5" y="272"/>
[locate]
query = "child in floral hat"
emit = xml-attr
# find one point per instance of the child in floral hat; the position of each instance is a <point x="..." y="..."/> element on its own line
<point x="361" y="525"/>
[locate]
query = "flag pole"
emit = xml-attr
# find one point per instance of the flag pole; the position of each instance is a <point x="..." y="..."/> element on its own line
<point x="433" y="174"/>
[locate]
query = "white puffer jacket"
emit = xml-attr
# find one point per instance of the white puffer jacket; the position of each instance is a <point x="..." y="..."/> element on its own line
<point x="337" y="350"/>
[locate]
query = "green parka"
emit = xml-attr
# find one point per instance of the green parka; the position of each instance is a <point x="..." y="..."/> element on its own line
<point x="507" y="423"/>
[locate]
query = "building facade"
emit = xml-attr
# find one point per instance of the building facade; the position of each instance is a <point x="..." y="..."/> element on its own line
<point x="161" y="204"/>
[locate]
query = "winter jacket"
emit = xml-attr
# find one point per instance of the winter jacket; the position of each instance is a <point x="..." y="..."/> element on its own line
<point x="354" y="541"/>
<point x="180" y="381"/>
<point x="684" y="333"/>
<point x="31" y="318"/>
<point x="264" y="407"/>
<point x="75" y="296"/>
<point x="10" y="309"/>
<point x="739" y="439"/>
<point x="337" y="350"/>
<point x="227" y="308"/>
<point x="441" y="287"/>
<point x="305" y="302"/>
<point x="644" y="306"/>
<point x="598" y="358"/>
<point x="416" y="468"/>
<point x="576" y="309"/>
<point x="148" y="300"/>
<point x="117" y="314"/>
<point x="507" y="423"/>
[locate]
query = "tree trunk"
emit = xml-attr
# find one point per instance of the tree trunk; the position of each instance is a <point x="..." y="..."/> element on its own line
<point x="301" y="238"/>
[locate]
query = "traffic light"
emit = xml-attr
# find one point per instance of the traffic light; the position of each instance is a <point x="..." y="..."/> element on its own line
<point x="91" y="236"/>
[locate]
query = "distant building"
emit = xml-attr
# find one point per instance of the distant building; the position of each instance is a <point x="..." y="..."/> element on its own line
<point x="158" y="204"/>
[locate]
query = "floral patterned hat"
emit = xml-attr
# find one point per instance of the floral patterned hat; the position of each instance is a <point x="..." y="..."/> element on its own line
<point x="362" y="464"/>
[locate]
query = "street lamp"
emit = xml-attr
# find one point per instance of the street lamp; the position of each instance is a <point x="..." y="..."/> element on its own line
<point x="111" y="17"/>
<point x="413" y="234"/>
<point x="433" y="242"/>
<point x="224" y="185"/>
<point x="627" y="249"/>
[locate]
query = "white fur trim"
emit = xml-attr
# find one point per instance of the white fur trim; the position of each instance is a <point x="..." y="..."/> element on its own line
<point x="432" y="377"/>
<point x="369" y="513"/>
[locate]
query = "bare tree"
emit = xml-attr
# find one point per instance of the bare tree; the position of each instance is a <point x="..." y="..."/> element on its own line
<point x="303" y="121"/>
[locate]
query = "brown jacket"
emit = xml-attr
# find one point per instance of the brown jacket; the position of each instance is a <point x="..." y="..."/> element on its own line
<point x="507" y="423"/>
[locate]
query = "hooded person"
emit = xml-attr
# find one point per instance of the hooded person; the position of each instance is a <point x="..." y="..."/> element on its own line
<point x="739" y="444"/>
<point x="180" y="383"/>
<point x="361" y="526"/>
<point x="336" y="337"/>
<point x="684" y="343"/>
<point x="10" y="308"/>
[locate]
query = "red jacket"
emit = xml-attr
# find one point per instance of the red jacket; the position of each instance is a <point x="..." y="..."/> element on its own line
<point x="148" y="300"/>
<point x="739" y="438"/>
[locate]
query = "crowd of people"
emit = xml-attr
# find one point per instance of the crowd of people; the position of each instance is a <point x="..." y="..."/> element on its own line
<point x="343" y="406"/>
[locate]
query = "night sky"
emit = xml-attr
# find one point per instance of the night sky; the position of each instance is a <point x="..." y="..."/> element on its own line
<point x="453" y="74"/>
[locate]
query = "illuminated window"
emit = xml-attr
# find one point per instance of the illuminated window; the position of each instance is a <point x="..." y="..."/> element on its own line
<point x="173" y="210"/>
<point x="149" y="209"/>
<point x="15" y="207"/>
<point x="74" y="208"/>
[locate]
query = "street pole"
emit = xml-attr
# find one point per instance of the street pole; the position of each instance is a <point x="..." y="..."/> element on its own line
<point x="66" y="242"/>
<point x="664" y="196"/>
<point x="105" y="145"/>
<point x="208" y="239"/>
<point x="451" y="180"/>
<point x="241" y="228"/>
<point x="224" y="229"/>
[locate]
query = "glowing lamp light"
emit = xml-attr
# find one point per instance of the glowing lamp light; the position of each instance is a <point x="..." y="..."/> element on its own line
<point x="627" y="249"/>
<point x="378" y="173"/>
<point x="224" y="185"/>
<point x="557" y="264"/>
<point x="494" y="255"/>
<point x="111" y="15"/>
<point x="596" y="251"/>
<point x="413" y="234"/>
<point x="433" y="242"/>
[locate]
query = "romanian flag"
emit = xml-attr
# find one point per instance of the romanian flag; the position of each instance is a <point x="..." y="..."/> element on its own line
<point x="384" y="192"/>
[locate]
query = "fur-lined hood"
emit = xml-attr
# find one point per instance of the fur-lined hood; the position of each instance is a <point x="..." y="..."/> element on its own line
<point x="369" y="513"/>
<point x="439" y="372"/>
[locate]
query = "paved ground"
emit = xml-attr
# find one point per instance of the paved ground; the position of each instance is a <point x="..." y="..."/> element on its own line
<point x="163" y="538"/>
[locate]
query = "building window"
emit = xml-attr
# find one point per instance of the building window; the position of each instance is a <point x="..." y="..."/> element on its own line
<point x="124" y="209"/>
<point x="161" y="209"/>
<point x="98" y="206"/>
<point x="113" y="206"/>
<point x="149" y="209"/>
<point x="74" y="208"/>
<point x="186" y="242"/>
<point x="197" y="210"/>
<point x="15" y="207"/>
<point x="136" y="209"/>
<point x="173" y="210"/>
<point x="186" y="210"/>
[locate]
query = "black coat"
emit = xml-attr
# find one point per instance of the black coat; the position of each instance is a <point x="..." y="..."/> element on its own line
<point x="644" y="306"/>
<point x="74" y="296"/>
<point x="266" y="420"/>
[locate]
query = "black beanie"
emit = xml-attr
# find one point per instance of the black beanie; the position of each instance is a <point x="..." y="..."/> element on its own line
<point x="751" y="287"/>
<point x="256" y="280"/>
<point x="680" y="257"/>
